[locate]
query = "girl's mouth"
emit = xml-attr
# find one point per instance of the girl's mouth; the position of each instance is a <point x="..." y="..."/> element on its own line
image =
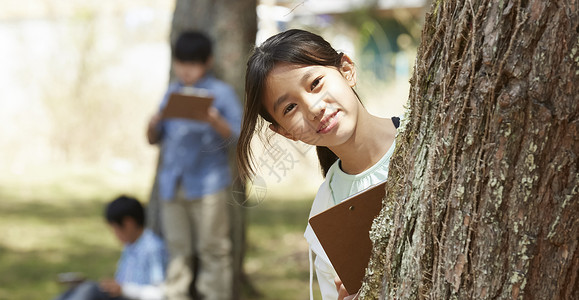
<point x="327" y="123"/>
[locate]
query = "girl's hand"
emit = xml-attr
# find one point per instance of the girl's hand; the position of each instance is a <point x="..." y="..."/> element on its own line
<point x="342" y="292"/>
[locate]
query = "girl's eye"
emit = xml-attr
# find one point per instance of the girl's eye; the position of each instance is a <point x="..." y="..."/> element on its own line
<point x="315" y="83"/>
<point x="289" y="108"/>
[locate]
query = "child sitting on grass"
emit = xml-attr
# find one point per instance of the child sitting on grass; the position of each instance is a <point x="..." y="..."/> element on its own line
<point x="141" y="269"/>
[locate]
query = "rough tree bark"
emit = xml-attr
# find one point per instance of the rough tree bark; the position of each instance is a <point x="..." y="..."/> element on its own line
<point x="482" y="200"/>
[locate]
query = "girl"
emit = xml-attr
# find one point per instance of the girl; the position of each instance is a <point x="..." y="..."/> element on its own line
<point x="303" y="88"/>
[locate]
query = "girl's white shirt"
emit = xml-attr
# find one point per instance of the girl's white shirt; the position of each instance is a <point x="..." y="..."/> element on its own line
<point x="324" y="200"/>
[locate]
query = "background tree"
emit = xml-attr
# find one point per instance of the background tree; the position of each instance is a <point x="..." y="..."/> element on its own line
<point x="232" y="25"/>
<point x="482" y="197"/>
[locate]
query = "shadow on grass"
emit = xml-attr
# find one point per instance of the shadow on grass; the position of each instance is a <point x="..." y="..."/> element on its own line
<point x="42" y="209"/>
<point x="33" y="274"/>
<point x="44" y="236"/>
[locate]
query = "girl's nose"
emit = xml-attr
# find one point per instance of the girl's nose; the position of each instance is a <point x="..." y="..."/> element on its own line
<point x="316" y="109"/>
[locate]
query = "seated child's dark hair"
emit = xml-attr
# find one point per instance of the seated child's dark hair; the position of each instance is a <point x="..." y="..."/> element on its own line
<point x="192" y="46"/>
<point x="125" y="206"/>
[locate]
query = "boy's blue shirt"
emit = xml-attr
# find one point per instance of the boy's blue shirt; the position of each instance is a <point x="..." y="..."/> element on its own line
<point x="193" y="154"/>
<point x="143" y="262"/>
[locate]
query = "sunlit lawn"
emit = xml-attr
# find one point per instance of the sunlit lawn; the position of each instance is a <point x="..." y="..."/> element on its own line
<point x="51" y="222"/>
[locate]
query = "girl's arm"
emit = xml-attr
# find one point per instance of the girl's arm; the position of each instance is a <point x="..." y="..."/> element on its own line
<point x="326" y="276"/>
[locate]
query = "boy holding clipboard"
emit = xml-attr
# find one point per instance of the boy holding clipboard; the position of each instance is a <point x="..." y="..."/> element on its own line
<point x="198" y="119"/>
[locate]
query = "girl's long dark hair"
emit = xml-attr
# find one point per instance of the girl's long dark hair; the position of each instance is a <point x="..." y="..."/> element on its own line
<point x="293" y="46"/>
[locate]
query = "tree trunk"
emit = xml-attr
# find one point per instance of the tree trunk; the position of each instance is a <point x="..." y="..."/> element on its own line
<point x="482" y="200"/>
<point x="232" y="25"/>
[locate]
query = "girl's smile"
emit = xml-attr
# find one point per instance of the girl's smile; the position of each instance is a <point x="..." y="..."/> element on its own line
<point x="328" y="123"/>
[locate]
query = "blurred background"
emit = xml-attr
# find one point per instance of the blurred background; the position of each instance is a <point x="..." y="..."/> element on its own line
<point x="78" y="83"/>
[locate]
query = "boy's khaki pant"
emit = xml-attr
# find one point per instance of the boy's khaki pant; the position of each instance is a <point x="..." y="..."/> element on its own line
<point x="201" y="227"/>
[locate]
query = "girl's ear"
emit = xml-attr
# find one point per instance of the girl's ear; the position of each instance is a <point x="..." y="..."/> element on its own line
<point x="280" y="130"/>
<point x="348" y="70"/>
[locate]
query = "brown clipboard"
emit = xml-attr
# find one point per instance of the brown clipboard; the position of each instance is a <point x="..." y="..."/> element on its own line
<point x="187" y="106"/>
<point x="343" y="231"/>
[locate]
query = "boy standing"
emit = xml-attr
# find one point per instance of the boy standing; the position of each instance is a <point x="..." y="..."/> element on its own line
<point x="194" y="177"/>
<point x="141" y="268"/>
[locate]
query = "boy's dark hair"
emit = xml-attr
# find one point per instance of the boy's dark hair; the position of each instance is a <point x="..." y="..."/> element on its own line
<point x="192" y="46"/>
<point x="125" y="206"/>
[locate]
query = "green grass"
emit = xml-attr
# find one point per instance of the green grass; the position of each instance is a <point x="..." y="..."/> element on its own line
<point x="51" y="222"/>
<point x="277" y="257"/>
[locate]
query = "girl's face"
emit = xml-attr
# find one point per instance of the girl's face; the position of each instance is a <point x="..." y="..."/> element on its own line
<point x="314" y="104"/>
